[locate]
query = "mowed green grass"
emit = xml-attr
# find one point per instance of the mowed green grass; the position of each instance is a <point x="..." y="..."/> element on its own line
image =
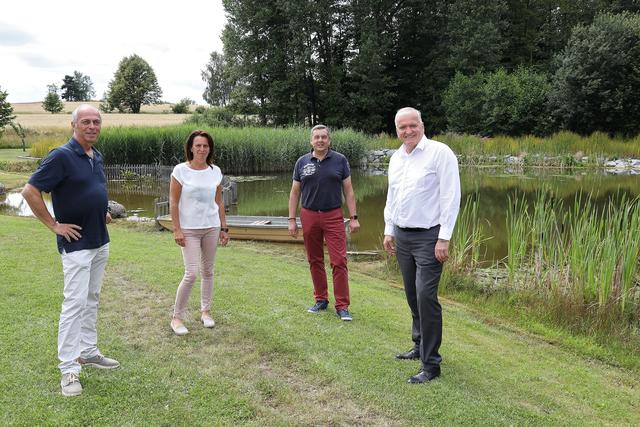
<point x="267" y="361"/>
<point x="13" y="154"/>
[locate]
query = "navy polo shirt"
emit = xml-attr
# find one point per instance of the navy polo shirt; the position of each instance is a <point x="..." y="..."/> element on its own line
<point x="321" y="180"/>
<point x="78" y="190"/>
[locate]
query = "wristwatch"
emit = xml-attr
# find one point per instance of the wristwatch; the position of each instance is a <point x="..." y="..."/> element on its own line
<point x="353" y="217"/>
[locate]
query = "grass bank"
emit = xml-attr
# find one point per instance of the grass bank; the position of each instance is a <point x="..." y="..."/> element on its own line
<point x="268" y="362"/>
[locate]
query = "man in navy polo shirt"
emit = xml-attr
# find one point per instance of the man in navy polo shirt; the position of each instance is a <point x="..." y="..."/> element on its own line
<point x="74" y="176"/>
<point x="321" y="176"/>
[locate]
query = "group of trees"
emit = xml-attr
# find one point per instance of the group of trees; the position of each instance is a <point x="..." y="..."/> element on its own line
<point x="76" y="87"/>
<point x="134" y="84"/>
<point x="489" y="67"/>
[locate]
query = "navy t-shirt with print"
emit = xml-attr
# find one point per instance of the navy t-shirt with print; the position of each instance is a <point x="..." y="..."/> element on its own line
<point x="78" y="190"/>
<point x="321" y="181"/>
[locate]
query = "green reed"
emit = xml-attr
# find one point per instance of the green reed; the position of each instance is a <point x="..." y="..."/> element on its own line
<point x="567" y="148"/>
<point x="236" y="150"/>
<point x="518" y="235"/>
<point x="468" y="237"/>
<point x="586" y="256"/>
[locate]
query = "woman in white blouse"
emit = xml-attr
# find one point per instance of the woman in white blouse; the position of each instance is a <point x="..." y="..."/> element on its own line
<point x="197" y="213"/>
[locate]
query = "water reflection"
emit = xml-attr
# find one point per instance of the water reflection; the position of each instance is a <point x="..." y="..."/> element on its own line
<point x="492" y="188"/>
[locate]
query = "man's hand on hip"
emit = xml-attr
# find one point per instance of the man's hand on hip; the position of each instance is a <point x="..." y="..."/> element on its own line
<point x="68" y="231"/>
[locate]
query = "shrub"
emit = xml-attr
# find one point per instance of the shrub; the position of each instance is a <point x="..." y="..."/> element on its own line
<point x="499" y="103"/>
<point x="214" y="117"/>
<point x="463" y="101"/>
<point x="181" y="107"/>
<point x="597" y="83"/>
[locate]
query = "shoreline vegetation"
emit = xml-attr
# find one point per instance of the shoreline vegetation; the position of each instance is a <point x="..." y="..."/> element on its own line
<point x="262" y="150"/>
<point x="268" y="362"/>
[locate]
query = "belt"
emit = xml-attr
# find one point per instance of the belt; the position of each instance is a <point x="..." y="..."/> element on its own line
<point x="322" y="210"/>
<point x="416" y="229"/>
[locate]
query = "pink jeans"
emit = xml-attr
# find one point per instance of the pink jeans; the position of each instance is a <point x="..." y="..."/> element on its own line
<point x="199" y="253"/>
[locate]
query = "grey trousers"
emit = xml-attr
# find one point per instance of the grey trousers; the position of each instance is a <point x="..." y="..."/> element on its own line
<point x="415" y="251"/>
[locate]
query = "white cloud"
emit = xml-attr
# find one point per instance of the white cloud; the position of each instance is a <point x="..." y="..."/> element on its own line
<point x="41" y="41"/>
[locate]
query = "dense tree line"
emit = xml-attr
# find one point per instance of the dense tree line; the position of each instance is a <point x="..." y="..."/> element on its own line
<point x="354" y="62"/>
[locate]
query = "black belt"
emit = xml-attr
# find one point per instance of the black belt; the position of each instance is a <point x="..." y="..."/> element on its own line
<point x="322" y="210"/>
<point x="416" y="229"/>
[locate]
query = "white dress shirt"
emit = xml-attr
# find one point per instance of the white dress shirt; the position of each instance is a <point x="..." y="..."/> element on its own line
<point x="424" y="189"/>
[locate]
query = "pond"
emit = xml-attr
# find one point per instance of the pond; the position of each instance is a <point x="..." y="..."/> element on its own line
<point x="490" y="187"/>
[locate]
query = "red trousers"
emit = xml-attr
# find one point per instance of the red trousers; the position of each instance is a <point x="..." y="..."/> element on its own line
<point x="327" y="226"/>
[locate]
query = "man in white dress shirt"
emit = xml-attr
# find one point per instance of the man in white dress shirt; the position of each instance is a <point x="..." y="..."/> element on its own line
<point x="423" y="201"/>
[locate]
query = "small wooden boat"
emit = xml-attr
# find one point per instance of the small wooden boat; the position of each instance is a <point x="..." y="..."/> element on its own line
<point x="271" y="228"/>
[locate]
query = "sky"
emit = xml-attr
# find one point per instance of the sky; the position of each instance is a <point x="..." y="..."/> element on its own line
<point x="42" y="40"/>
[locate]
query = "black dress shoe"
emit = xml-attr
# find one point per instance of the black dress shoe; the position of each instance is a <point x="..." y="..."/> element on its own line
<point x="424" y="376"/>
<point x="412" y="354"/>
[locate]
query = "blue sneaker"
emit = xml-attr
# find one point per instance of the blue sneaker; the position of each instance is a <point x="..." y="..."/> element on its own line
<point x="319" y="305"/>
<point x="343" y="314"/>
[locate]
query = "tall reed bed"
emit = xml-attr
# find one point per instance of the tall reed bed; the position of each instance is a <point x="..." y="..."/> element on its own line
<point x="583" y="261"/>
<point x="237" y="150"/>
<point x="468" y="237"/>
<point x="560" y="144"/>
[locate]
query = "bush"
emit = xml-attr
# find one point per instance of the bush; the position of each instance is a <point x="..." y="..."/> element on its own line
<point x="215" y="117"/>
<point x="499" y="103"/>
<point x="597" y="82"/>
<point x="463" y="101"/>
<point x="182" y="107"/>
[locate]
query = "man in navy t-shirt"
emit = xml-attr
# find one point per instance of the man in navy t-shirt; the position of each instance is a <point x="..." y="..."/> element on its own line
<point x="74" y="176"/>
<point x="321" y="177"/>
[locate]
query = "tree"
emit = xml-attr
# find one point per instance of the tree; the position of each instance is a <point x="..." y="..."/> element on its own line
<point x="218" y="88"/>
<point x="52" y="102"/>
<point x="6" y="111"/>
<point x="134" y="84"/>
<point x="597" y="81"/>
<point x="77" y="87"/>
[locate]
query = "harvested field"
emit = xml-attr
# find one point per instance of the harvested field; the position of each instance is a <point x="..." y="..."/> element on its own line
<point x="31" y="115"/>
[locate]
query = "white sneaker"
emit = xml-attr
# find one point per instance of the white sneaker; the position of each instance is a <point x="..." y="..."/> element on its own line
<point x="179" y="330"/>
<point x="208" y="322"/>
<point x="70" y="384"/>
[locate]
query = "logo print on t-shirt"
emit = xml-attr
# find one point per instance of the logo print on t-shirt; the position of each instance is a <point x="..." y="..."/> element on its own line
<point x="308" y="169"/>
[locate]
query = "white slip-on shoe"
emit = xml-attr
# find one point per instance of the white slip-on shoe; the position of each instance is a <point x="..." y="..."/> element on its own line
<point x="208" y="322"/>
<point x="179" y="330"/>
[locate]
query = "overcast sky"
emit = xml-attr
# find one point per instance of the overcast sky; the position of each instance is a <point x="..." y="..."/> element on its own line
<point x="41" y="41"/>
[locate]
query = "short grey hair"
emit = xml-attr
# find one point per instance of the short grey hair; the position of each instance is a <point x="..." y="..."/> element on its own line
<point x="74" y="114"/>
<point x="320" y="127"/>
<point x="406" y="110"/>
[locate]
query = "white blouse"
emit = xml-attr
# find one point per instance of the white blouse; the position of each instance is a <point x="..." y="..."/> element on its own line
<point x="197" y="206"/>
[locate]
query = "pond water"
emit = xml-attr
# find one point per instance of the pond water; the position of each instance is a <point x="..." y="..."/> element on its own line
<point x="491" y="187"/>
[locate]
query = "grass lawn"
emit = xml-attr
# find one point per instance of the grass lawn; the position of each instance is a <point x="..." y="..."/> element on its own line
<point x="12" y="180"/>
<point x="267" y="361"/>
<point x="11" y="154"/>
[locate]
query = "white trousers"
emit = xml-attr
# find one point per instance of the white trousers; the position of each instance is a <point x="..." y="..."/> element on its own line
<point x="77" y="335"/>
